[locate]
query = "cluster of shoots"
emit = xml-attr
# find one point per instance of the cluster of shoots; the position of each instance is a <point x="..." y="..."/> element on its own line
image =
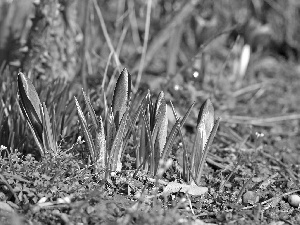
<point x="142" y="121"/>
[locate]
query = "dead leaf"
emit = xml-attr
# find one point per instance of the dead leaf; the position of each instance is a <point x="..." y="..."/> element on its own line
<point x="192" y="189"/>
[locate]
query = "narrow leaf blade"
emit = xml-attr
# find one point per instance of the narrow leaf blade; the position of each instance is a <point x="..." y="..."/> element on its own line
<point x="141" y="151"/>
<point x="47" y="133"/>
<point x="86" y="133"/>
<point x="100" y="147"/>
<point x="174" y="131"/>
<point x="149" y="142"/>
<point x="90" y="110"/>
<point x="116" y="151"/>
<point x="111" y="132"/>
<point x="36" y="137"/>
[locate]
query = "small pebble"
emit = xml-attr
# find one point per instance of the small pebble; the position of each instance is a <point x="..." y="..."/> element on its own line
<point x="294" y="200"/>
<point x="2" y="197"/>
<point x="250" y="197"/>
<point x="4" y="207"/>
<point x="55" y="212"/>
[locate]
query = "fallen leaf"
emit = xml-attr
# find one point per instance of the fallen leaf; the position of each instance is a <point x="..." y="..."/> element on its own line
<point x="6" y="207"/>
<point x="192" y="189"/>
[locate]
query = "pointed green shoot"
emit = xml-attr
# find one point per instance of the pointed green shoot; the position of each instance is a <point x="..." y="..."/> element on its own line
<point x="30" y="105"/>
<point x="206" y="149"/>
<point x="121" y="96"/>
<point x="205" y="123"/>
<point x="159" y="133"/>
<point x="205" y="126"/>
<point x="110" y="132"/>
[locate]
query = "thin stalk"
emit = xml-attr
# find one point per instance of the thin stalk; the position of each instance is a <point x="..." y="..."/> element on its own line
<point x="106" y="35"/>
<point x="145" y="44"/>
<point x="84" y="46"/>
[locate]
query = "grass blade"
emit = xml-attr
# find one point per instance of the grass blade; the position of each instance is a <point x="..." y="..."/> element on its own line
<point x="116" y="151"/>
<point x="141" y="151"/>
<point x="100" y="147"/>
<point x="149" y="150"/>
<point x="141" y="106"/>
<point x="139" y="97"/>
<point x="135" y="115"/>
<point x="185" y="162"/>
<point x="48" y="138"/>
<point x="174" y="131"/>
<point x="86" y="133"/>
<point x="90" y="110"/>
<point x="110" y="132"/>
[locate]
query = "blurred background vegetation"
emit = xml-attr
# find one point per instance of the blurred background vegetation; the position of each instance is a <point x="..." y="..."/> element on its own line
<point x="71" y="39"/>
<point x="191" y="50"/>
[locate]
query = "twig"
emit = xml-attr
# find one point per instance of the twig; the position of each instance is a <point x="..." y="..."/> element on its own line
<point x="244" y="188"/>
<point x="145" y="44"/>
<point x="120" y="17"/>
<point x="105" y="71"/>
<point x="223" y="182"/>
<point x="84" y="46"/>
<point x="249" y="88"/>
<point x="190" y="203"/>
<point x="134" y="25"/>
<point x="105" y="33"/>
<point x="49" y="205"/>
<point x="259" y="121"/>
<point x="237" y="138"/>
<point x="121" y="40"/>
<point x="281" y="164"/>
<point x="173" y="49"/>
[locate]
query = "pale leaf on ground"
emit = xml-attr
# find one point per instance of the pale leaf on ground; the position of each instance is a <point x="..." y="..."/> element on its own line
<point x="4" y="207"/>
<point x="192" y="189"/>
